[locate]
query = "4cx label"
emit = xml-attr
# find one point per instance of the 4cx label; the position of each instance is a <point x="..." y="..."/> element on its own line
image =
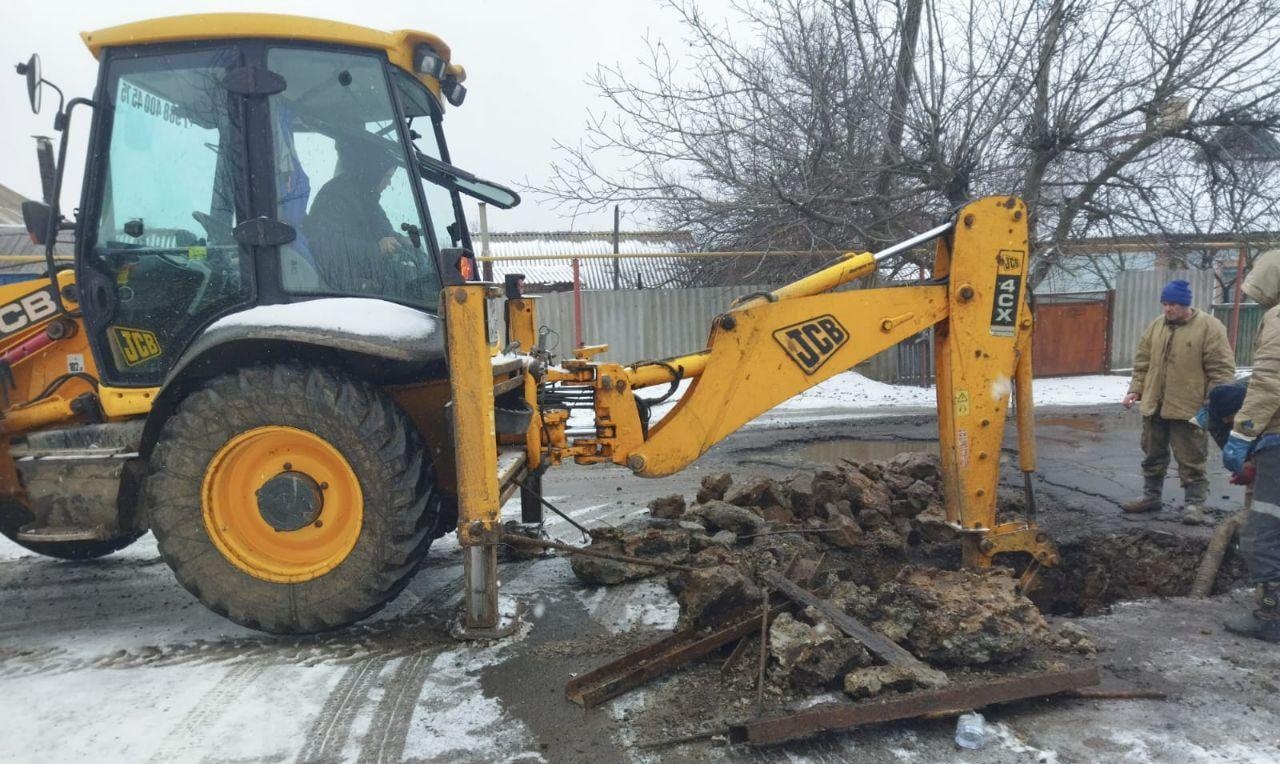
<point x="1008" y="292"/>
<point x="812" y="343"/>
<point x="135" y="345"/>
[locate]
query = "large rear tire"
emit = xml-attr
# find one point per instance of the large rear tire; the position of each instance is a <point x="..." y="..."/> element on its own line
<point x="291" y="500"/>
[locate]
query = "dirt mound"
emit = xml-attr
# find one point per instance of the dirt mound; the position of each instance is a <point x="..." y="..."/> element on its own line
<point x="854" y="526"/>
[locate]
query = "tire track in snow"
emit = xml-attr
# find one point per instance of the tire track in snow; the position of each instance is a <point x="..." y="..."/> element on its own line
<point x="185" y="740"/>
<point x="328" y="735"/>
<point x="389" y="728"/>
<point x="327" y="738"/>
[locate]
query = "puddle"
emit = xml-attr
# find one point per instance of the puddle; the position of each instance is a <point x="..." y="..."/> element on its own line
<point x="1092" y="424"/>
<point x="855" y="450"/>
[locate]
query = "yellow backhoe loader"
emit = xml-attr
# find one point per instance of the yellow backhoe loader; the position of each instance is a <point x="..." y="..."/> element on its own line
<point x="271" y="352"/>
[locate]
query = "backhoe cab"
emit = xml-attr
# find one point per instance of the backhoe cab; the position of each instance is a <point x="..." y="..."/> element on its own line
<point x="271" y="352"/>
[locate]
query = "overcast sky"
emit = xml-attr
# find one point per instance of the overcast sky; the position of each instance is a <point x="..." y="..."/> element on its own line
<point x="527" y="63"/>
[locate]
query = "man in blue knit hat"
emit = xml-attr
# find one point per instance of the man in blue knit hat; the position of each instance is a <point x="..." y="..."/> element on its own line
<point x="1182" y="355"/>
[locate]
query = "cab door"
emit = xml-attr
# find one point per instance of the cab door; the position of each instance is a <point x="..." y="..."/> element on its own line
<point x="157" y="258"/>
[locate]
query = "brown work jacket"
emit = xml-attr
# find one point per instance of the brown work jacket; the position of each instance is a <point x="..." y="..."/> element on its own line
<point x="1177" y="364"/>
<point x="1260" y="413"/>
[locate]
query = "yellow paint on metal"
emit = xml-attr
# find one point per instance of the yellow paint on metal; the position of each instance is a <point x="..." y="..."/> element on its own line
<point x="238" y="530"/>
<point x="747" y="372"/>
<point x="398" y="44"/>
<point x="121" y="402"/>
<point x="52" y="410"/>
<point x="976" y="349"/>
<point x="522" y="328"/>
<point x="424" y="403"/>
<point x="650" y="374"/>
<point x="475" y="442"/>
<point x="852" y="266"/>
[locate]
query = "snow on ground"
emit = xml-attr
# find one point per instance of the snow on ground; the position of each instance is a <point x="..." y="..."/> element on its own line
<point x="854" y="392"/>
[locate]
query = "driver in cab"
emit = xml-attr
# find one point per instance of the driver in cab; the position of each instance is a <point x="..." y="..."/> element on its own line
<point x="347" y="228"/>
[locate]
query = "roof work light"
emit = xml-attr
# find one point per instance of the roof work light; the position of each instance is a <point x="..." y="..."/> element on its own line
<point x="427" y="61"/>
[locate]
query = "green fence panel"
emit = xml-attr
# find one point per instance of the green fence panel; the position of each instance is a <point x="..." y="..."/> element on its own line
<point x="1250" y="319"/>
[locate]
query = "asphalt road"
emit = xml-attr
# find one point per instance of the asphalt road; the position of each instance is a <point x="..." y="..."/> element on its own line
<point x="112" y="661"/>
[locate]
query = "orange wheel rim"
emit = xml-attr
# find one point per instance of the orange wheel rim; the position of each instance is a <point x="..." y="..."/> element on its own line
<point x="282" y="504"/>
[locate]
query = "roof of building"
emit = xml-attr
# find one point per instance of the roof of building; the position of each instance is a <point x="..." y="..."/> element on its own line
<point x="594" y="272"/>
<point x="10" y="206"/>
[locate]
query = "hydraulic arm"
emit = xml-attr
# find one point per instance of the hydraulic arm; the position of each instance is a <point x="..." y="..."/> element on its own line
<point x="768" y="348"/>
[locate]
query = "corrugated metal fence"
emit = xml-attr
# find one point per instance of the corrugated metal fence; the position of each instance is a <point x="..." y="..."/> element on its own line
<point x="648" y="324"/>
<point x="1246" y="332"/>
<point x="1137" y="303"/>
<point x="639" y="324"/>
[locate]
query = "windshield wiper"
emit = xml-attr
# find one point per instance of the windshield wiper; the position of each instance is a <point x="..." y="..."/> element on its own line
<point x="444" y="174"/>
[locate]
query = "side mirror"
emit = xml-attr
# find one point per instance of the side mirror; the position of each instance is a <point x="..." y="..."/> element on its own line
<point x="36" y="217"/>
<point x="32" y="70"/>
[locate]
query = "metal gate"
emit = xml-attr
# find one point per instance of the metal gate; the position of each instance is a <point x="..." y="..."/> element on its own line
<point x="1072" y="334"/>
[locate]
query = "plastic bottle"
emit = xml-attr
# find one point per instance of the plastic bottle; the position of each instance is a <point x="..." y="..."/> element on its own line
<point x="971" y="731"/>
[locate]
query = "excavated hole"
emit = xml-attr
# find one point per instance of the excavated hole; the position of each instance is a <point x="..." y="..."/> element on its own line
<point x="1097" y="569"/>
<point x="1102" y="569"/>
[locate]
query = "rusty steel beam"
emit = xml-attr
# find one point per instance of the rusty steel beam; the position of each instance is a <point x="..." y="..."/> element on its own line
<point x="636" y="668"/>
<point x="784" y="726"/>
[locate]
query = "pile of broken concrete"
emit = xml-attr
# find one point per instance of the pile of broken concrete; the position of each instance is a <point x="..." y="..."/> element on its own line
<point x="852" y="524"/>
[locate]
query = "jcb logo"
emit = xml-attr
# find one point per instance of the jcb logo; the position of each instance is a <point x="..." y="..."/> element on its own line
<point x="28" y="310"/>
<point x="1009" y="260"/>
<point x="811" y="343"/>
<point x="135" y="345"/>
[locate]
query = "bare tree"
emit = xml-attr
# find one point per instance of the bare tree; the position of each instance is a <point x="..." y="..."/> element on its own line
<point x="829" y="124"/>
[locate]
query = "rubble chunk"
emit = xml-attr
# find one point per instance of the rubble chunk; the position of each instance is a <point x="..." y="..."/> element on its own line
<point x="932" y="525"/>
<point x="799" y="488"/>
<point x="844" y="531"/>
<point x="757" y="492"/>
<point x="667" y="507"/>
<point x="1069" y="637"/>
<point x="708" y="595"/>
<point x="865" y="493"/>
<point x="813" y="657"/>
<point x="918" y="465"/>
<point x="871" y="681"/>
<point x="721" y="516"/>
<point x="954" y="617"/>
<point x="778" y="515"/>
<point x="725" y="538"/>
<point x="666" y="545"/>
<point x="714" y="486"/>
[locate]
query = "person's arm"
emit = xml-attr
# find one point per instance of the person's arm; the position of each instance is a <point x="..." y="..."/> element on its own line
<point x="1218" y="359"/>
<point x="1262" y="399"/>
<point x="1141" y="362"/>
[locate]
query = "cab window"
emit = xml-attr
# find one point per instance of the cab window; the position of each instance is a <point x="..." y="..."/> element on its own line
<point x="343" y="183"/>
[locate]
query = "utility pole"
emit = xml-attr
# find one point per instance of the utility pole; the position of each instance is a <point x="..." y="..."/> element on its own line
<point x="487" y="268"/>
<point x="617" y="267"/>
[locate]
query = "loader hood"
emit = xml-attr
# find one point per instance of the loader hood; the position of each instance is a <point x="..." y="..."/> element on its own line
<point x="1263" y="281"/>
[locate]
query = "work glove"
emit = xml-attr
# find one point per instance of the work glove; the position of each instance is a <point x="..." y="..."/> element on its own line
<point x="1236" y="451"/>
<point x="1245" y="476"/>
<point x="1201" y="419"/>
